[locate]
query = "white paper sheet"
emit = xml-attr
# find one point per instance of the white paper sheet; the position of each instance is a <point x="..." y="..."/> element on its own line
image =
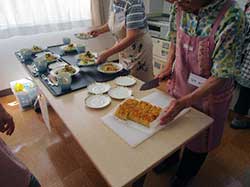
<point x="44" y="109"/>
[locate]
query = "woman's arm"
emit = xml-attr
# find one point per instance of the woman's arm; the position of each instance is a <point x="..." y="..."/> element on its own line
<point x="100" y="30"/>
<point x="212" y="84"/>
<point x="7" y="124"/>
<point x="178" y="105"/>
<point x="104" y="28"/>
<point x="131" y="36"/>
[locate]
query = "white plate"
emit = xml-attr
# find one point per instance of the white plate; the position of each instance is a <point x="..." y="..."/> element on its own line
<point x="120" y="93"/>
<point x="57" y="65"/>
<point x="53" y="72"/>
<point x="97" y="101"/>
<point x="37" y="51"/>
<point x="83" y="36"/>
<point x="98" y="88"/>
<point x="125" y="81"/>
<point x="93" y="53"/>
<point x="85" y="65"/>
<point x="89" y="63"/>
<point x="65" y="50"/>
<point x="119" y="68"/>
<point x="41" y="57"/>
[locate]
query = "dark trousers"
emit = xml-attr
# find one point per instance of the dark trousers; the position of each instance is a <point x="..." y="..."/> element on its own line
<point x="34" y="182"/>
<point x="243" y="103"/>
<point x="189" y="166"/>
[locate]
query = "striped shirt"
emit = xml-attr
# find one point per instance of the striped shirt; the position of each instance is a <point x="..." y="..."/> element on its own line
<point x="135" y="13"/>
<point x="244" y="78"/>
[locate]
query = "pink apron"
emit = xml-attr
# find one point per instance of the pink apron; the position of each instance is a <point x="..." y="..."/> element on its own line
<point x="194" y="55"/>
<point x="12" y="172"/>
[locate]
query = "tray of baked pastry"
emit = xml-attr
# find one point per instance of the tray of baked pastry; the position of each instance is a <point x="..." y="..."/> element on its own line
<point x="137" y="111"/>
<point x="135" y="120"/>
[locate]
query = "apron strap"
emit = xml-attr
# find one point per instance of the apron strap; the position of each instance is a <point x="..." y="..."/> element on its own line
<point x="178" y="18"/>
<point x="216" y="25"/>
<point x="126" y="6"/>
<point x="111" y="4"/>
<point x="221" y="16"/>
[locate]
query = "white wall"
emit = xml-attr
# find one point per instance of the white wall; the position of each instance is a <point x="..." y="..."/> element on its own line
<point x="11" y="69"/>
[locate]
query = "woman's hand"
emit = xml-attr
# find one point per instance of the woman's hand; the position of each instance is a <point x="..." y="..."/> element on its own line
<point x="100" y="30"/>
<point x="7" y="124"/>
<point x="165" y="74"/>
<point x="95" y="32"/>
<point x="175" y="107"/>
<point x="167" y="71"/>
<point x="171" y="1"/>
<point x="102" y="58"/>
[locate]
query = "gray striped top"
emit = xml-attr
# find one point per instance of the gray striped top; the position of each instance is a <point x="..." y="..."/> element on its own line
<point x="135" y="13"/>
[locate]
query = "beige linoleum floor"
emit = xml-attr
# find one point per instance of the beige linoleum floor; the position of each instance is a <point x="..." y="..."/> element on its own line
<point x="58" y="161"/>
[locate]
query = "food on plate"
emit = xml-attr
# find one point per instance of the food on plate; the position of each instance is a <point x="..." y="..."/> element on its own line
<point x="49" y="57"/>
<point x="70" y="47"/>
<point x="68" y="69"/>
<point x="140" y="112"/>
<point x="109" y="68"/>
<point x="84" y="35"/>
<point x="86" y="58"/>
<point x="83" y="62"/>
<point x="36" y="49"/>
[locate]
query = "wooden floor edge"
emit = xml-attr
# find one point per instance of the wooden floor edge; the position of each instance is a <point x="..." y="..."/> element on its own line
<point x="5" y="92"/>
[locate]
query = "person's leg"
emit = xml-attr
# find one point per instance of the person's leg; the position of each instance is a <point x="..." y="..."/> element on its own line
<point x="243" y="103"/>
<point x="190" y="165"/>
<point x="140" y="181"/>
<point x="241" y="108"/>
<point x="34" y="182"/>
<point x="162" y="167"/>
<point x="168" y="162"/>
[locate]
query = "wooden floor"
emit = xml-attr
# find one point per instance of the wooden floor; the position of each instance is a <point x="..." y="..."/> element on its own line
<point x="58" y="161"/>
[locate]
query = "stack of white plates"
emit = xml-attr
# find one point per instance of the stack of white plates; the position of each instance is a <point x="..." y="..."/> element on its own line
<point x="125" y="81"/>
<point x="120" y="93"/>
<point x="97" y="100"/>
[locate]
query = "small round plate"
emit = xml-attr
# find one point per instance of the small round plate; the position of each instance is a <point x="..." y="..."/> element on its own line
<point x="55" y="71"/>
<point x="120" y="93"/>
<point x="98" y="88"/>
<point x="104" y="68"/>
<point x="57" y="65"/>
<point x="83" y="36"/>
<point x="41" y="57"/>
<point x="125" y="81"/>
<point x="36" y="49"/>
<point x="82" y="63"/>
<point x="97" y="101"/>
<point x="68" y="49"/>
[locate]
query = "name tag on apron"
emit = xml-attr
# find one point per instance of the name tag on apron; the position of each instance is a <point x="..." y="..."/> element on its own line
<point x="120" y="17"/>
<point x="196" y="80"/>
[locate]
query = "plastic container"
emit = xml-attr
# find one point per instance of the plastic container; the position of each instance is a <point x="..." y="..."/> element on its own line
<point x="27" y="96"/>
